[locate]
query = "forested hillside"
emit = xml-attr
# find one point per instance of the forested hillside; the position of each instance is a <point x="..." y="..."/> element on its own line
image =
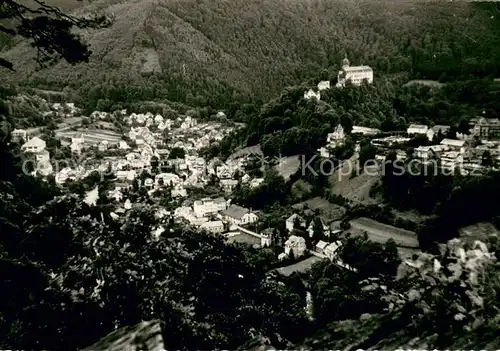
<point x="200" y="53"/>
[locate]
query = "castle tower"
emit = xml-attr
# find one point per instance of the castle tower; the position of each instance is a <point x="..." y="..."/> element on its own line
<point x="265" y="240"/>
<point x="345" y="62"/>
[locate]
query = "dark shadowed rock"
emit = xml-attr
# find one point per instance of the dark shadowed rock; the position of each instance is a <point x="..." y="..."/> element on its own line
<point x="145" y="336"/>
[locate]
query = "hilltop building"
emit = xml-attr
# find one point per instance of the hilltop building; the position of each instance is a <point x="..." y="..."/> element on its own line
<point x="355" y="74"/>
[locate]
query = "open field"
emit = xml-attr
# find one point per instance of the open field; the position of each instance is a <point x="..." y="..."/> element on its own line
<point x="92" y="136"/>
<point x="381" y="233"/>
<point x="244" y="239"/>
<point x="356" y="189"/>
<point x="288" y="166"/>
<point x="300" y="267"/>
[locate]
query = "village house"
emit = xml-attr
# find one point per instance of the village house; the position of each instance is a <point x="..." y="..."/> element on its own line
<point x="76" y="148"/>
<point x="295" y="244"/>
<point x="228" y="185"/>
<point x="34" y="145"/>
<point x="167" y="179"/>
<point x="103" y="146"/>
<point x="158" y="119"/>
<point x="455" y="145"/>
<point x="451" y="160"/>
<point x="123" y="145"/>
<point x="331" y="250"/>
<point x="310" y="94"/>
<point x="209" y="206"/>
<point x="337" y="137"/>
<point x="440" y="129"/>
<point x="487" y="129"/>
<point x="426" y="153"/>
<point x="18" y="135"/>
<point x="320" y="247"/>
<point x="188" y="123"/>
<point x="224" y="172"/>
<point x="178" y="191"/>
<point x="183" y="212"/>
<point x="245" y="179"/>
<point x="148" y="183"/>
<point x="420" y="129"/>
<point x="239" y="215"/>
<point x="324" y="85"/>
<point x="324" y="152"/>
<point x="290" y="222"/>
<point x="63" y="175"/>
<point x="213" y="227"/>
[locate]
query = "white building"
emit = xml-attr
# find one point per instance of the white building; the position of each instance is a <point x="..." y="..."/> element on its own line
<point x="76" y="148"/>
<point x="324" y="85"/>
<point x="19" y="135"/>
<point x="295" y="244"/>
<point x="224" y="172"/>
<point x="123" y="145"/>
<point x="320" y="247"/>
<point x="34" y="145"/>
<point x="324" y="152"/>
<point x="213" y="227"/>
<point x="290" y="222"/>
<point x="452" y="160"/>
<point x="310" y="94"/>
<point x="239" y="215"/>
<point x="337" y="137"/>
<point x="420" y="129"/>
<point x="178" y="191"/>
<point x="355" y="74"/>
<point x="209" y="206"/>
<point x="456" y="145"/>
<point x="167" y="179"/>
<point x="365" y="130"/>
<point x="228" y="185"/>
<point x="430" y="152"/>
<point x="103" y="146"/>
<point x="266" y="238"/>
<point x="254" y="183"/>
<point x="331" y="250"/>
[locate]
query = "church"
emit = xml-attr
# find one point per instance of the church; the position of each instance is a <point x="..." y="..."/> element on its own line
<point x="356" y="74"/>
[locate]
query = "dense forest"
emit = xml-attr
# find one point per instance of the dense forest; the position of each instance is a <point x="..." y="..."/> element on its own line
<point x="245" y="52"/>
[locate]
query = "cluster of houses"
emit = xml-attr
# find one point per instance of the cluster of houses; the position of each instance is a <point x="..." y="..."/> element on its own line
<point x="458" y="152"/>
<point x="296" y="244"/>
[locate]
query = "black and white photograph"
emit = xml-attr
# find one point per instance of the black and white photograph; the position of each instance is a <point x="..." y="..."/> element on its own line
<point x="249" y="175"/>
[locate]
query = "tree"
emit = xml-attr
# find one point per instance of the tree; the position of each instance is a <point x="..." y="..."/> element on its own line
<point x="49" y="30"/>
<point x="463" y="127"/>
<point x="177" y="152"/>
<point x="318" y="232"/>
<point x="487" y="159"/>
<point x="369" y="258"/>
<point x="367" y="153"/>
